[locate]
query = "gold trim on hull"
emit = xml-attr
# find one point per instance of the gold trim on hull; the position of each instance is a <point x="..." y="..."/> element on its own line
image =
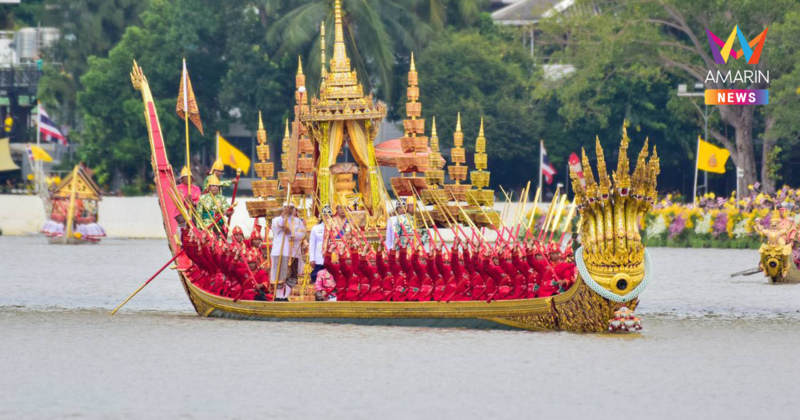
<point x="577" y="310"/>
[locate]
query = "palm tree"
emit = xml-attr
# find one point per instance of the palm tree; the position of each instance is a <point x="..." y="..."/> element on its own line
<point x="384" y="30"/>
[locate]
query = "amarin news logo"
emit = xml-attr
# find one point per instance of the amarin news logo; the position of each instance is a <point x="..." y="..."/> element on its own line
<point x="752" y="53"/>
<point x="721" y="57"/>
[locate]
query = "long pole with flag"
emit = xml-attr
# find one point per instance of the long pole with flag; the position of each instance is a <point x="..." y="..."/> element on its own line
<point x="37" y="169"/>
<point x="541" y="161"/>
<point x="696" y="170"/>
<point x="184" y="79"/>
<point x="187" y="109"/>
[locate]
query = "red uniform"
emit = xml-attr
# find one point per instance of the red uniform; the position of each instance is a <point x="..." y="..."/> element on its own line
<point x="399" y="293"/>
<point x="335" y="270"/>
<point x="351" y="274"/>
<point x="496" y="278"/>
<point x="446" y="277"/>
<point x="531" y="286"/>
<point x="373" y="280"/>
<point x="514" y="284"/>
<point x="423" y="273"/>
<point x="412" y="280"/>
<point x="387" y="284"/>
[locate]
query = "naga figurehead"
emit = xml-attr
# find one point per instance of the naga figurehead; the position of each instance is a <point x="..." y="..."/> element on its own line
<point x="612" y="254"/>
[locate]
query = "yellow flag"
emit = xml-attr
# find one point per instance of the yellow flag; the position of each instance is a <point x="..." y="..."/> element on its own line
<point x="232" y="156"/>
<point x="39" y="154"/>
<point x="711" y="158"/>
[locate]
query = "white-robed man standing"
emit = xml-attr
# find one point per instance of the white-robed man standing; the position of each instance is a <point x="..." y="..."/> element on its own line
<point x="316" y="243"/>
<point x="288" y="232"/>
<point x="399" y="227"/>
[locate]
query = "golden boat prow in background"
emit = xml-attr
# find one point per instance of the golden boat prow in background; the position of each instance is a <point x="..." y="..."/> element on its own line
<point x="776" y="261"/>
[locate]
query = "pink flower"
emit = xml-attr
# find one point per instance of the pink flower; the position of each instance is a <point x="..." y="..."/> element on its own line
<point x="678" y="225"/>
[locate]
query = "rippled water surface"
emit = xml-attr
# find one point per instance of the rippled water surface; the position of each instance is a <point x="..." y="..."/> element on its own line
<point x="713" y="347"/>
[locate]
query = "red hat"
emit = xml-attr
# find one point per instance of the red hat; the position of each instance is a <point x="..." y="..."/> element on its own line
<point x="256" y="233"/>
<point x="553" y="247"/>
<point x="507" y="254"/>
<point x="237" y="230"/>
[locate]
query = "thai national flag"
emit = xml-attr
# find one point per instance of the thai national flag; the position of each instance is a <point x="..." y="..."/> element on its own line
<point x="30" y="153"/>
<point x="548" y="170"/>
<point x="49" y="129"/>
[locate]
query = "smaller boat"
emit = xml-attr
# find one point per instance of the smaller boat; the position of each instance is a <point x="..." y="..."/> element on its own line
<point x="73" y="210"/>
<point x="776" y="256"/>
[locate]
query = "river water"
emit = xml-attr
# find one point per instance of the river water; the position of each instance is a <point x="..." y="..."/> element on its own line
<point x="713" y="347"/>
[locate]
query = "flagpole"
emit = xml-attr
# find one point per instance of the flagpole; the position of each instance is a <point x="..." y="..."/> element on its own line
<point x="36" y="167"/>
<point x="216" y="153"/>
<point x="186" y="121"/>
<point x="696" y="162"/>
<point x="541" y="161"/>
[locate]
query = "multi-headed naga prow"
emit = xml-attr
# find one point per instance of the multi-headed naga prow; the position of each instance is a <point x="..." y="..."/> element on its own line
<point x="613" y="248"/>
<point x="137" y="77"/>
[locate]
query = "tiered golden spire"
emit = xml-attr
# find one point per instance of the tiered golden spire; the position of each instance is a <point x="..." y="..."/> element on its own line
<point x="339" y="62"/>
<point x="480" y="177"/>
<point x="414" y="140"/>
<point x="266" y="188"/>
<point x="457" y="155"/>
<point x="341" y="97"/>
<point x="435" y="175"/>
<point x="323" y="69"/>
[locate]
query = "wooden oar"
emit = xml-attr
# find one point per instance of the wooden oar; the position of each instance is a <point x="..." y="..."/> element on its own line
<point x="148" y="281"/>
<point x="235" y="189"/>
<point x="749" y="272"/>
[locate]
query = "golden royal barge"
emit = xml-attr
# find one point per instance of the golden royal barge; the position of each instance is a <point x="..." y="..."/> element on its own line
<point x="613" y="264"/>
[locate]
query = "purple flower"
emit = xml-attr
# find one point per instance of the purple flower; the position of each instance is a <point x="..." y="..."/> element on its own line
<point x="720" y="224"/>
<point x="765" y="221"/>
<point x="678" y="225"/>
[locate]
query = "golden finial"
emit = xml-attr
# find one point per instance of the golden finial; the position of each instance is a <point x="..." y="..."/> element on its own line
<point x="480" y="155"/>
<point x="286" y="133"/>
<point x="625" y="129"/>
<point x="602" y="173"/>
<point x="337" y="15"/>
<point x="261" y="134"/>
<point x="339" y="61"/>
<point x="322" y="47"/>
<point x="413" y="67"/>
<point x="299" y="65"/>
<point x="480" y="143"/>
<point x="458" y="136"/>
<point x="588" y="174"/>
<point x="640" y="172"/>
<point x="622" y="177"/>
<point x="434" y="138"/>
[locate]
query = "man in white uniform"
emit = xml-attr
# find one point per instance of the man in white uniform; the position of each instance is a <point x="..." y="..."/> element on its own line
<point x="398" y="236"/>
<point x="288" y="232"/>
<point x="316" y="243"/>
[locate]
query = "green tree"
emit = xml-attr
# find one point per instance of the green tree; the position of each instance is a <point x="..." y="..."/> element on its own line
<point x="383" y="29"/>
<point x="88" y="28"/>
<point x="113" y="138"/>
<point x="24" y="14"/>
<point x="486" y="75"/>
<point x="657" y="35"/>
